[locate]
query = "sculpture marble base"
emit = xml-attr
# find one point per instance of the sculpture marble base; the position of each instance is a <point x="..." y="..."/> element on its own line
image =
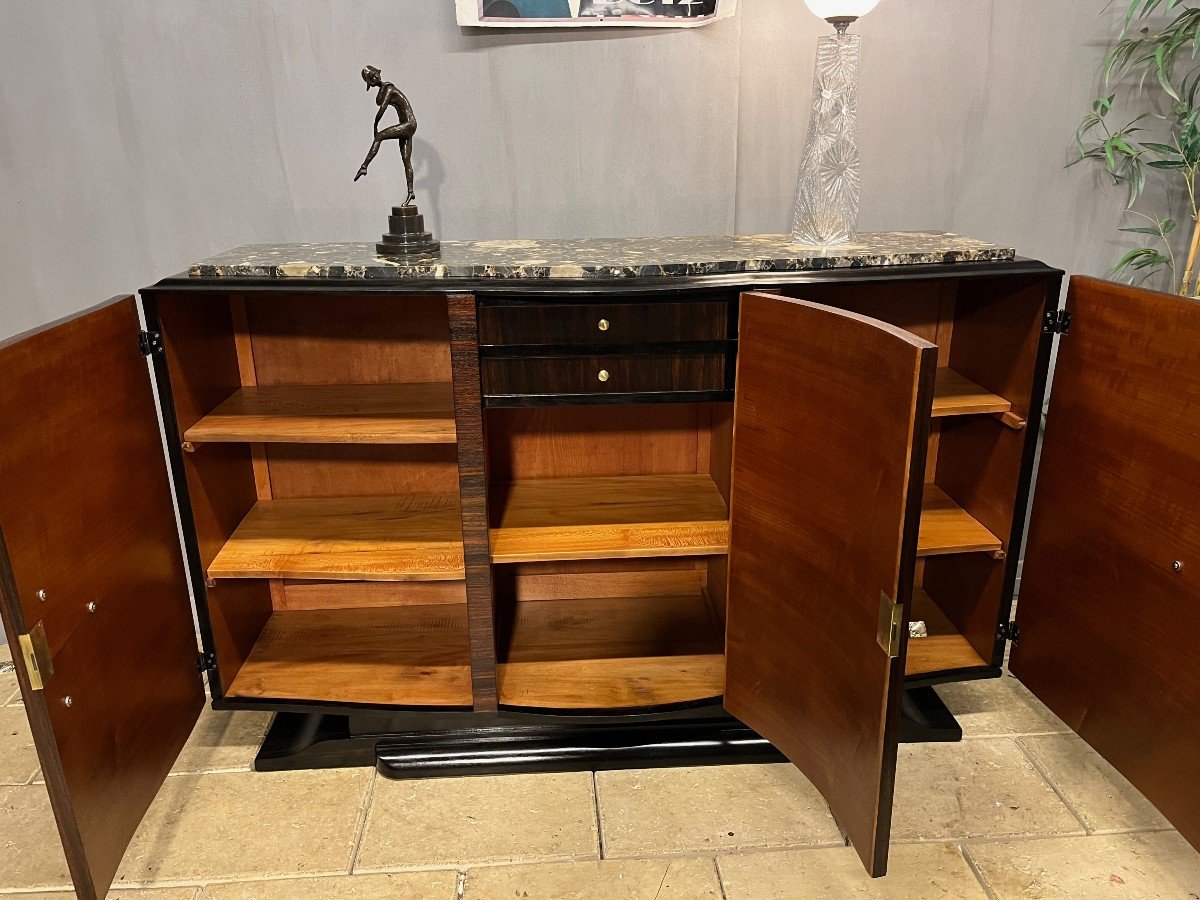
<point x="407" y="236"/>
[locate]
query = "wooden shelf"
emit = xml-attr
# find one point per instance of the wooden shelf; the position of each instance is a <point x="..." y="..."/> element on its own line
<point x="331" y="414"/>
<point x="612" y="653"/>
<point x="605" y="518"/>
<point x="945" y="649"/>
<point x="414" y="537"/>
<point x="955" y="395"/>
<point x="948" y="528"/>
<point x="395" y="656"/>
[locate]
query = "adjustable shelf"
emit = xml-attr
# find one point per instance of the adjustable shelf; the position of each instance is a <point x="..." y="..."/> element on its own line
<point x="608" y="517"/>
<point x="612" y="653"/>
<point x="420" y="413"/>
<point x="945" y="648"/>
<point x="948" y="528"/>
<point x="414" y="537"/>
<point x="955" y="395"/>
<point x="396" y="656"/>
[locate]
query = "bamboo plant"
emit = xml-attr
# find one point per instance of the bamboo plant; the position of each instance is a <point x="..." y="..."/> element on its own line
<point x="1166" y="59"/>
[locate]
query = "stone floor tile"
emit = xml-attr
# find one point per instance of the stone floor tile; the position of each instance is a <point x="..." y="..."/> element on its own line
<point x="914" y="871"/>
<point x="18" y="758"/>
<point x="251" y="825"/>
<point x="1097" y="792"/>
<point x="454" y="822"/>
<point x="30" y="853"/>
<point x="180" y="893"/>
<point x="223" y="741"/>
<point x="626" y="879"/>
<point x="974" y="789"/>
<point x="709" y="808"/>
<point x="998" y="706"/>
<point x="400" y="886"/>
<point x="10" y="691"/>
<point x="1149" y="866"/>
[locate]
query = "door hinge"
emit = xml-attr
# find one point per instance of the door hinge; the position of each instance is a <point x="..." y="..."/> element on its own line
<point x="150" y="343"/>
<point x="35" y="650"/>
<point x="891" y="618"/>
<point x="1010" y="631"/>
<point x="1057" y="321"/>
<point x="206" y="662"/>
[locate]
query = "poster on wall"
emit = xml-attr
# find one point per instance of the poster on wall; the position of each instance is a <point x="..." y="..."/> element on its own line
<point x="584" y="13"/>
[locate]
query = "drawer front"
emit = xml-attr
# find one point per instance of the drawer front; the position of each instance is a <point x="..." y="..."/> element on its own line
<point x="604" y="323"/>
<point x="598" y="375"/>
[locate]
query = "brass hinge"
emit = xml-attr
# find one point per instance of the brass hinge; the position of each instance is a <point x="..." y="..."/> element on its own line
<point x="891" y="618"/>
<point x="35" y="650"/>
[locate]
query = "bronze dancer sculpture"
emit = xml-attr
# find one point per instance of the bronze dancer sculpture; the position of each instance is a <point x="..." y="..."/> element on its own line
<point x="390" y="96"/>
<point x="406" y="236"/>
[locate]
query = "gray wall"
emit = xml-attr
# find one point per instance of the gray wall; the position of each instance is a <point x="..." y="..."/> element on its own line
<point x="139" y="135"/>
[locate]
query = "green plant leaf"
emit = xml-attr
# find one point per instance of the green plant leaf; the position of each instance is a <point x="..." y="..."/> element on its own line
<point x="1161" y="148"/>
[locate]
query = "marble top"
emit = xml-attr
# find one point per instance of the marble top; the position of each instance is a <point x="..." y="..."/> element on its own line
<point x="597" y="258"/>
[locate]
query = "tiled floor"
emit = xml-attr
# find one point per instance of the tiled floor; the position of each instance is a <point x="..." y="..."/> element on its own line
<point x="1021" y="808"/>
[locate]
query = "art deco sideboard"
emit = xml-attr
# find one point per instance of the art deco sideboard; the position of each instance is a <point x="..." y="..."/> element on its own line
<point x="547" y="505"/>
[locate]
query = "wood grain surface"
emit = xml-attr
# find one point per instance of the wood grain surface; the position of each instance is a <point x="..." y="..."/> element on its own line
<point x="828" y="462"/>
<point x="421" y="413"/>
<point x="87" y="517"/>
<point x="945" y="649"/>
<point x="1108" y="625"/>
<point x="610" y="627"/>
<point x="617" y="683"/>
<point x="627" y="323"/>
<point x="473" y="465"/>
<point x="608" y="517"/>
<point x="397" y="656"/>
<point x="579" y="441"/>
<point x="201" y="344"/>
<point x="341" y="338"/>
<point x="414" y="537"/>
<point x="550" y="375"/>
<point x="955" y="395"/>
<point x="947" y="528"/>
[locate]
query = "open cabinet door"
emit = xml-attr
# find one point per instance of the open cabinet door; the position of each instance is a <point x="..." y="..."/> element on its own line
<point x="830" y="427"/>
<point x="92" y="584"/>
<point x="1109" y="609"/>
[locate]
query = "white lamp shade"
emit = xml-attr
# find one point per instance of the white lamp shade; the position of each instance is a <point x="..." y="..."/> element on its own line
<point x="837" y="9"/>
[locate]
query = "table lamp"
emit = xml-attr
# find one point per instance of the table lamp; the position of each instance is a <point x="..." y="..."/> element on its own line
<point x="827" y="195"/>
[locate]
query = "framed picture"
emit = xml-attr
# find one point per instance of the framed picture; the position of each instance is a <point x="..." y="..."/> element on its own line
<point x="585" y="13"/>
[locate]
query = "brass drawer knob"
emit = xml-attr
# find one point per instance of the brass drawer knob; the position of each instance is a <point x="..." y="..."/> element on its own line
<point x="603" y="324"/>
<point x="603" y="376"/>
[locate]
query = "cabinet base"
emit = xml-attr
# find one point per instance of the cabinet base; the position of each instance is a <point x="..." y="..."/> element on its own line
<point x="428" y="745"/>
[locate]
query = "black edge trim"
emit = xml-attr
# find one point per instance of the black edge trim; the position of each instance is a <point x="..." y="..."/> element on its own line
<point x="191" y="544"/>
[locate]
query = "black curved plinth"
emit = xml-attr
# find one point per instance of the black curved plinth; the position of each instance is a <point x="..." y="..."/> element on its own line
<point x="439" y="744"/>
<point x="407" y="236"/>
<point x="504" y="751"/>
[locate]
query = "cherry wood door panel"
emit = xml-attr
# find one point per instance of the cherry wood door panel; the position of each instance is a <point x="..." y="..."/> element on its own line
<point x="829" y="441"/>
<point x="1108" y="626"/>
<point x="87" y="518"/>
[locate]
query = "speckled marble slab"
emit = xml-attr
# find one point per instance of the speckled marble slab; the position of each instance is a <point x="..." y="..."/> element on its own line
<point x="598" y="258"/>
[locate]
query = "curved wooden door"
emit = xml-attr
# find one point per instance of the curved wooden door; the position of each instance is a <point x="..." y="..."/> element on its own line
<point x="1109" y="622"/>
<point x="830" y="430"/>
<point x="90" y="557"/>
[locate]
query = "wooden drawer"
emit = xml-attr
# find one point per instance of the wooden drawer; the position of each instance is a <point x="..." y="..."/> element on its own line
<point x="598" y="375"/>
<point x="604" y="323"/>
